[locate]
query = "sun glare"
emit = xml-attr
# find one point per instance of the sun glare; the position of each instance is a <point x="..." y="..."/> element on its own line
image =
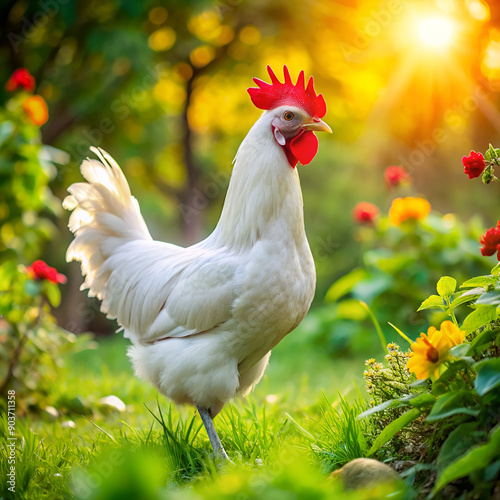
<point x="435" y="31"/>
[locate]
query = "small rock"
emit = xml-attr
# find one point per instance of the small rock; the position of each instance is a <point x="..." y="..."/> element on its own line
<point x="364" y="473"/>
<point x="401" y="465"/>
<point x="112" y="402"/>
<point x="51" y="412"/>
<point x="272" y="398"/>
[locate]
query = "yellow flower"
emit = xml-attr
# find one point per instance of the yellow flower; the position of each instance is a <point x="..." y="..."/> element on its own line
<point x="452" y="333"/>
<point x="36" y="107"/>
<point x="430" y="350"/>
<point x="408" y="208"/>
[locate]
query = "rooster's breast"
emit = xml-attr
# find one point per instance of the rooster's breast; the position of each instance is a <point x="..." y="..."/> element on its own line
<point x="275" y="292"/>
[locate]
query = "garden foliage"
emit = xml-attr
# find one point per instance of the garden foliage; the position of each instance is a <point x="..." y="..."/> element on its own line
<point x="445" y="418"/>
<point x="32" y="345"/>
<point x="450" y="418"/>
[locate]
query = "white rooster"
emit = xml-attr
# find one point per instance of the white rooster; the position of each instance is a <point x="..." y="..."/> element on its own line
<point x="203" y="319"/>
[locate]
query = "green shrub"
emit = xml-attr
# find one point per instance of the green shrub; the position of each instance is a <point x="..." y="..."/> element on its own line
<point x="32" y="344"/>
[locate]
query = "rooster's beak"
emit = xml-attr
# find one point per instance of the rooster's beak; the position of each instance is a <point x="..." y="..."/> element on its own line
<point x="317" y="124"/>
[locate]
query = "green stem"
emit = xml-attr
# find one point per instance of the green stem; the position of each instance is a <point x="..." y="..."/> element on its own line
<point x="451" y="313"/>
<point x="377" y="327"/>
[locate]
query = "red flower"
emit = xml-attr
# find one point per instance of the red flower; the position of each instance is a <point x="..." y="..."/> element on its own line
<point x="39" y="270"/>
<point x="395" y="176"/>
<point x="491" y="242"/>
<point x="365" y="213"/>
<point x="21" y="78"/>
<point x="473" y="164"/>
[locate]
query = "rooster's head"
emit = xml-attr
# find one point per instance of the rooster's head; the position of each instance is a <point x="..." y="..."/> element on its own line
<point x="297" y="114"/>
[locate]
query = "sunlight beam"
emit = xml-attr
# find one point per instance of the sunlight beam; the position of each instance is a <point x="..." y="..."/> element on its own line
<point x="435" y="31"/>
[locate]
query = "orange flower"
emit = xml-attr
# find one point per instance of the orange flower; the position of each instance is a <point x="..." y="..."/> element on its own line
<point x="430" y="350"/>
<point x="36" y="107"/>
<point x="408" y="208"/>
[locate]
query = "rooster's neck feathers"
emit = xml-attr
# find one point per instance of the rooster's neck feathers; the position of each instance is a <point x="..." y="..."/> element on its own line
<point x="264" y="195"/>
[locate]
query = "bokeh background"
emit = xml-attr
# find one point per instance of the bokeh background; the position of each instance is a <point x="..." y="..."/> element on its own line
<point x="161" y="85"/>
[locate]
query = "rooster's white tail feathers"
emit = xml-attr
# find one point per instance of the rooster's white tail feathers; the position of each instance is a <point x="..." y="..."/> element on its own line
<point x="105" y="216"/>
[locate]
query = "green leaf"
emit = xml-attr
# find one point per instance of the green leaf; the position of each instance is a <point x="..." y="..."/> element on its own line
<point x="480" y="281"/>
<point x="6" y="129"/>
<point x="489" y="299"/>
<point x="446" y="286"/>
<point x="403" y="335"/>
<point x="432" y="301"/>
<point x="488" y="376"/>
<point x="449" y="404"/>
<point x="53" y="294"/>
<point x="458" y="442"/>
<point x="441" y="385"/>
<point x="496" y="270"/>
<point x="460" y="351"/>
<point x="466" y="297"/>
<point x="351" y="309"/>
<point x="490" y="153"/>
<point x="483" y="338"/>
<point x="368" y="289"/>
<point x="344" y="285"/>
<point x="381" y="407"/>
<point x="423" y="400"/>
<point x="478" y="457"/>
<point x="393" y="428"/>
<point x="32" y="288"/>
<point x="481" y="316"/>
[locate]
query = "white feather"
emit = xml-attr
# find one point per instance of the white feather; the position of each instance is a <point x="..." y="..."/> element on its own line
<point x="222" y="304"/>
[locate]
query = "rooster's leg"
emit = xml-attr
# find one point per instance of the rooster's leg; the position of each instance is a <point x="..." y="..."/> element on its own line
<point x="212" y="433"/>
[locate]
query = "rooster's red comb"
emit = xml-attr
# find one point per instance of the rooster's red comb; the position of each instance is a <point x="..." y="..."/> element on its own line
<point x="274" y="94"/>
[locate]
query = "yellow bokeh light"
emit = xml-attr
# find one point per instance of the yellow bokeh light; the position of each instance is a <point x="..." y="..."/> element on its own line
<point x="250" y="35"/>
<point x="171" y="165"/>
<point x="206" y="26"/>
<point x="162" y="39"/>
<point x="435" y="31"/>
<point x="478" y="10"/>
<point x="447" y="6"/>
<point x="201" y="56"/>
<point x="492" y="55"/>
<point x="169" y="92"/>
<point x="225" y="36"/>
<point x="490" y="66"/>
<point x="216" y="104"/>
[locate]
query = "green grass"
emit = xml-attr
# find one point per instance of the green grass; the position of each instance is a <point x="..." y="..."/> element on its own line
<point x="287" y="436"/>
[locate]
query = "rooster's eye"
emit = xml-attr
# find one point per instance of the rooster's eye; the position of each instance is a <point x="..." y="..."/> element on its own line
<point x="288" y="116"/>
